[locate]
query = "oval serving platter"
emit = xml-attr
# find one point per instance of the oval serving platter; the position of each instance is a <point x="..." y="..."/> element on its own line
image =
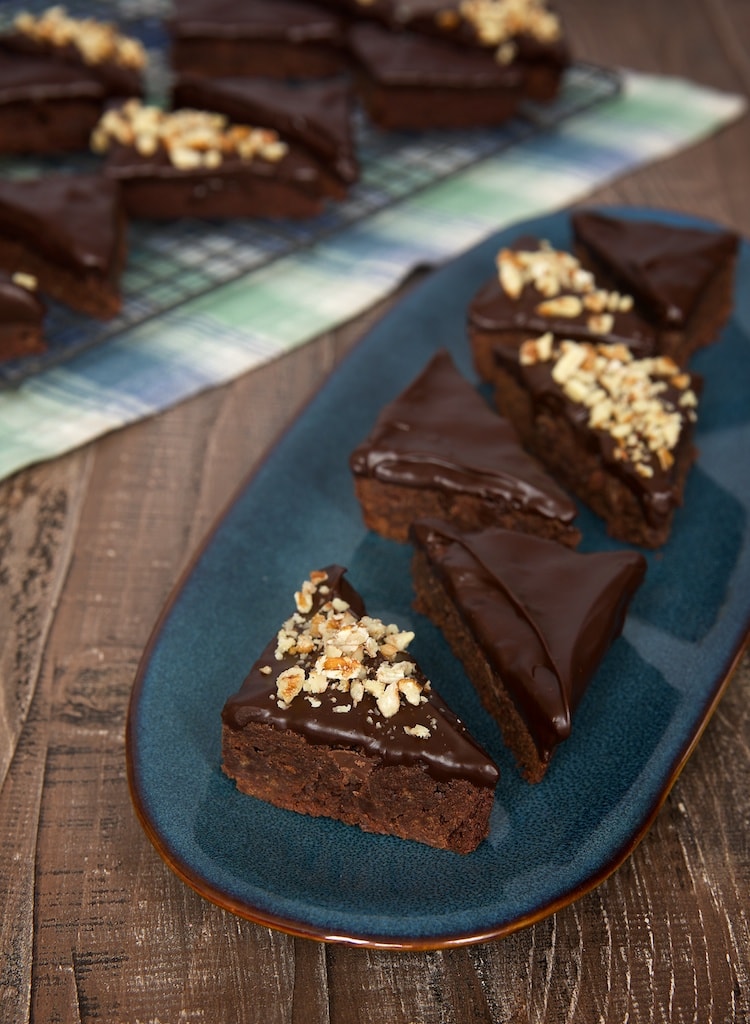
<point x="633" y="732"/>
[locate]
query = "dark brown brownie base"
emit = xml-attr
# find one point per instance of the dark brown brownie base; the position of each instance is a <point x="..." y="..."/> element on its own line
<point x="18" y="340"/>
<point x="433" y="601"/>
<point x="356" y="788"/>
<point x="398" y="108"/>
<point x="221" y="58"/>
<point x="87" y="292"/>
<point x="47" y="126"/>
<point x="390" y="509"/>
<point x="484" y="342"/>
<point x="712" y="310"/>
<point x="554" y="442"/>
<point x="172" y="198"/>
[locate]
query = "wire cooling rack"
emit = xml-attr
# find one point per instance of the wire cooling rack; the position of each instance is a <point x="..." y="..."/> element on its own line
<point x="171" y="263"/>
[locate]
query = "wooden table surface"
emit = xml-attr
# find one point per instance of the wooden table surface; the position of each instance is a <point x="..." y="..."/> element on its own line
<point x="95" y="927"/>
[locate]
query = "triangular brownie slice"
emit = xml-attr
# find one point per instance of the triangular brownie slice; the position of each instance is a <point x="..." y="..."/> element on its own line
<point x="681" y="277"/>
<point x="438" y="449"/>
<point x="538" y="289"/>
<point x="336" y="719"/>
<point x="21" y="316"/>
<point x="530" y="620"/>
<point x="615" y="430"/>
<point x="67" y="231"/>
<point x="316" y="114"/>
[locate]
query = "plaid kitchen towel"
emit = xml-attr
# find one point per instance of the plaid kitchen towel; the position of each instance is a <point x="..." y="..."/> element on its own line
<point x="237" y="326"/>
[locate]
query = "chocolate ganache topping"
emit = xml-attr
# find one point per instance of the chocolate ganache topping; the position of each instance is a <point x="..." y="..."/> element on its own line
<point x="666" y="267"/>
<point x="542" y="615"/>
<point x="317" y="114"/>
<point x="277" y="20"/>
<point x="338" y="677"/>
<point x="637" y="414"/>
<point x="25" y="79"/>
<point x="72" y="218"/>
<point x="538" y="288"/>
<point x="407" y="59"/>
<point x="440" y="433"/>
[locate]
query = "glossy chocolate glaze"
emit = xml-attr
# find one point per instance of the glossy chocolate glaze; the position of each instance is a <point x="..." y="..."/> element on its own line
<point x="114" y="79"/>
<point x="277" y="20"/>
<point x="542" y="615"/>
<point x="448" y="752"/>
<point x="658" y="494"/>
<point x="31" y="79"/>
<point x="408" y="59"/>
<point x="440" y="433"/>
<point x="665" y="267"/>
<point x="492" y="310"/>
<point x="316" y="114"/>
<point x="73" y="219"/>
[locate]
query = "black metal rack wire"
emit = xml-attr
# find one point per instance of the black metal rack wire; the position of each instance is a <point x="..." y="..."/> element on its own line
<point x="171" y="263"/>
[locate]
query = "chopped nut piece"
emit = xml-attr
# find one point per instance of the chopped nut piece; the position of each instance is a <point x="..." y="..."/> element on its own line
<point x="24" y="280"/>
<point x="420" y="731"/>
<point x="97" y="41"/>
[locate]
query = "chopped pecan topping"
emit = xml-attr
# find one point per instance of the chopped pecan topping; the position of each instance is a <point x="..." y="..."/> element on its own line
<point x="498" y="21"/>
<point x="191" y="138"/>
<point x="641" y="403"/>
<point x="98" y="42"/>
<point x="338" y="652"/>
<point x="569" y="290"/>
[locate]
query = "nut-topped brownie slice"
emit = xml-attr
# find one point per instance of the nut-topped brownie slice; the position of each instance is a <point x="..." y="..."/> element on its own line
<point x="195" y="163"/>
<point x="336" y="719"/>
<point x="529" y="619"/>
<point x="538" y="289"/>
<point x="68" y="232"/>
<point x="270" y="38"/>
<point x="56" y="76"/>
<point x="21" y="316"/>
<point x="438" y="449"/>
<point x="315" y="114"/>
<point x="411" y="81"/>
<point x="681" y="278"/>
<point x="614" y="429"/>
<point x="526" y="33"/>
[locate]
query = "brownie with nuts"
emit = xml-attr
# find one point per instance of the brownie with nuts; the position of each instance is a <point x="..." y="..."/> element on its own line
<point x="194" y="163"/>
<point x="316" y="115"/>
<point x="411" y="81"/>
<point x="681" y="278"/>
<point x="614" y="429"/>
<point x="529" y="619"/>
<point x="438" y="449"/>
<point x="271" y="38"/>
<point x="21" y="316"/>
<point x="336" y="719"/>
<point x="538" y="289"/>
<point x="68" y="232"/>
<point x="56" y="75"/>
<point x="527" y="34"/>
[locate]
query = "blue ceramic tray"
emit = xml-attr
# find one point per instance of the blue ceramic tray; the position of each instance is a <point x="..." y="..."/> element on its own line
<point x="637" y="724"/>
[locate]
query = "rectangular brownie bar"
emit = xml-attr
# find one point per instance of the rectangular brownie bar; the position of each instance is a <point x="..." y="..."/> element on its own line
<point x="613" y="429"/>
<point x="336" y="719"/>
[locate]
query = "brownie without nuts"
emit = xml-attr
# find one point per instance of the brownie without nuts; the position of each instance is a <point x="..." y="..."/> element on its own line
<point x="615" y="430"/>
<point x="68" y="232"/>
<point x="529" y="619"/>
<point x="271" y="38"/>
<point x="335" y="719"/>
<point x="681" y="278"/>
<point x="439" y="450"/>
